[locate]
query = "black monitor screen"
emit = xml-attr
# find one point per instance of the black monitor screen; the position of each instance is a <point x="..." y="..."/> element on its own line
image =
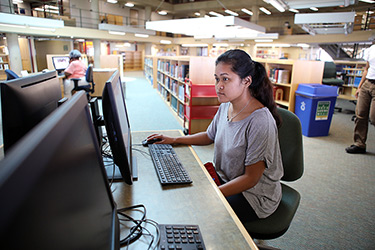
<point x="25" y="102"/>
<point x="60" y="62"/>
<point x="118" y="127"/>
<point x="53" y="186"/>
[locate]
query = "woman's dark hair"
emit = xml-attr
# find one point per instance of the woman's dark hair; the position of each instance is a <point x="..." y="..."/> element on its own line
<point x="261" y="87"/>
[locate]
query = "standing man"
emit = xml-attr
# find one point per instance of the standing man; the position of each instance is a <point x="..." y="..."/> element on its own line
<point x="365" y="109"/>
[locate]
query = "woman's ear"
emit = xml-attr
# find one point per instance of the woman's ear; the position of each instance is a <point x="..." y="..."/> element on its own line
<point x="247" y="80"/>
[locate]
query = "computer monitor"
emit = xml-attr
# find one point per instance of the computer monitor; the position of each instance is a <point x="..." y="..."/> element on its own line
<point x="53" y="186"/>
<point x="118" y="130"/>
<point x="60" y="63"/>
<point x="25" y="102"/>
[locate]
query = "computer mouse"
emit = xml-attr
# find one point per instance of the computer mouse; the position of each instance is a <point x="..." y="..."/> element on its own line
<point x="145" y="142"/>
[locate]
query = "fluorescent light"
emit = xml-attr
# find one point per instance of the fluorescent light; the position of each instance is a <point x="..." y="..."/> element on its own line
<point x="231" y="12"/>
<point x="13" y="25"/>
<point x="247" y="11"/>
<point x="277" y="5"/>
<point x="116" y="32"/>
<point x="111" y="1"/>
<point x="129" y="5"/>
<point x="207" y="36"/>
<point x="265" y="10"/>
<point x="195" y="45"/>
<point x="303" y="45"/>
<point x="263" y="40"/>
<point x="141" y="35"/>
<point x="313" y="8"/>
<point x="51" y="7"/>
<point x="165" y="42"/>
<point x="263" y="44"/>
<point x="367" y="1"/>
<point x="127" y="45"/>
<point x="294" y="10"/>
<point x="162" y="12"/>
<point x="197" y="13"/>
<point x="213" y="13"/>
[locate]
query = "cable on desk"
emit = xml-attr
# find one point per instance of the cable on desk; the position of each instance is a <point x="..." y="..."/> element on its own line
<point x="138" y="230"/>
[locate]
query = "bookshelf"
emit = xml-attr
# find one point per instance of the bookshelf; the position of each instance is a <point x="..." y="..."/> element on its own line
<point x="133" y="60"/>
<point x="4" y="64"/>
<point x="187" y="85"/>
<point x="351" y="73"/>
<point x="286" y="75"/>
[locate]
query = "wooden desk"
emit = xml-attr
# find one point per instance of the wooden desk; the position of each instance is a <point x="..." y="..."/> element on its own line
<point x="199" y="203"/>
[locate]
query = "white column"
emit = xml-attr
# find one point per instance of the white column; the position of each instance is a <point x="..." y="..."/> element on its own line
<point x="94" y="7"/>
<point x="255" y="16"/>
<point x="147" y="14"/>
<point x="15" y="60"/>
<point x="97" y="53"/>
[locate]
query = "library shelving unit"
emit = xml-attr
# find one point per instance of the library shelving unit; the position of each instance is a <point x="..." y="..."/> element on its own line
<point x="286" y="75"/>
<point x="133" y="60"/>
<point x="187" y="85"/>
<point x="4" y="64"/>
<point x="351" y="73"/>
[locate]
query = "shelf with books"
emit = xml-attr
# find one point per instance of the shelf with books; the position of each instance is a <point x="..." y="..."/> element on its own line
<point x="351" y="73"/>
<point x="172" y="75"/>
<point x="286" y="75"/>
<point x="4" y="64"/>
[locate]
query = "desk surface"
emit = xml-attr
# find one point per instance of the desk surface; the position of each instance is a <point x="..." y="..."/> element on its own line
<point x="199" y="203"/>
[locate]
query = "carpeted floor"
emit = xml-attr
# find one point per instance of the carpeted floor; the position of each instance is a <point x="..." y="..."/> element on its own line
<point x="337" y="205"/>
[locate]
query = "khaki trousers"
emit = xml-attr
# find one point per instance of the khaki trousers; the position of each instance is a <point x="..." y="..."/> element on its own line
<point x="365" y="111"/>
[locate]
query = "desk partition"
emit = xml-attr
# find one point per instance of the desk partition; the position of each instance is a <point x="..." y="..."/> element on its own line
<point x="198" y="203"/>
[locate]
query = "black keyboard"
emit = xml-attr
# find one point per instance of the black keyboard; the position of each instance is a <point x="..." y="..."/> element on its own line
<point x="167" y="165"/>
<point x="183" y="237"/>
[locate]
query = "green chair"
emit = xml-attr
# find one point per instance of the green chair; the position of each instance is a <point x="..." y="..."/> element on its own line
<point x="290" y="138"/>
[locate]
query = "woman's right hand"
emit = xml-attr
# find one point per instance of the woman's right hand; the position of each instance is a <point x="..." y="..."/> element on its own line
<point x="163" y="139"/>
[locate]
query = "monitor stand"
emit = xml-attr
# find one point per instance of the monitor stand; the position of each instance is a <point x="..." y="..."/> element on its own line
<point x="117" y="174"/>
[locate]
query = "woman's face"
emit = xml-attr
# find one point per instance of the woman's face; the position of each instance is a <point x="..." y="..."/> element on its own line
<point x="229" y="85"/>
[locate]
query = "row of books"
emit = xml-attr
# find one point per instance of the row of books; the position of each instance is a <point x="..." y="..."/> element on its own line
<point x="173" y="85"/>
<point x="149" y="62"/>
<point x="352" y="80"/>
<point x="178" y="107"/>
<point x="174" y="70"/>
<point x="279" y="75"/>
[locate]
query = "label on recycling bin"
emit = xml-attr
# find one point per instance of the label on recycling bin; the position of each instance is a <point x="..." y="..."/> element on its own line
<point x="322" y="110"/>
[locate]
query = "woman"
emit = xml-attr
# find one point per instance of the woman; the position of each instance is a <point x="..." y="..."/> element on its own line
<point x="247" y="155"/>
<point x="76" y="69"/>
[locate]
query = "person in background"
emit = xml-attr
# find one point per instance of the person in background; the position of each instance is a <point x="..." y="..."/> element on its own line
<point x="76" y="69"/>
<point x="365" y="108"/>
<point x="247" y="154"/>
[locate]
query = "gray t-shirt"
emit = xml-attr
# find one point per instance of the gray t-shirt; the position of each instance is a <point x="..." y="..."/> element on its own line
<point x="242" y="143"/>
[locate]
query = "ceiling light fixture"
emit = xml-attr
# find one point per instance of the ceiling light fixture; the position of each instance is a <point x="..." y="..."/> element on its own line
<point x="367" y="1"/>
<point x="111" y="1"/>
<point x="314" y="9"/>
<point x="228" y="27"/>
<point x="116" y="33"/>
<point x="162" y="12"/>
<point x="129" y="5"/>
<point x="195" y="45"/>
<point x="231" y="12"/>
<point x="165" y="42"/>
<point x="213" y="13"/>
<point x="197" y="13"/>
<point x="294" y="10"/>
<point x="141" y="35"/>
<point x="247" y="11"/>
<point x="264" y="10"/>
<point x="263" y="40"/>
<point x="280" y="5"/>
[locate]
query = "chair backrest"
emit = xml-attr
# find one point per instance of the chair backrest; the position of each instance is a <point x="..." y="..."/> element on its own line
<point x="329" y="70"/>
<point x="291" y="145"/>
<point x="10" y="74"/>
<point x="90" y="74"/>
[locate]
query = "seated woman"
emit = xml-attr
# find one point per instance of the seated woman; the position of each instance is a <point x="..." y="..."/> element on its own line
<point x="76" y="69"/>
<point x="247" y="154"/>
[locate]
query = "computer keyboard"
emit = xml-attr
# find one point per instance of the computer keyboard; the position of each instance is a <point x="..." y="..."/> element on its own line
<point x="167" y="165"/>
<point x="183" y="237"/>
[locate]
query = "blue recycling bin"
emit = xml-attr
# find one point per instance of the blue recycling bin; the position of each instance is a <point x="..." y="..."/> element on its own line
<point x="315" y="104"/>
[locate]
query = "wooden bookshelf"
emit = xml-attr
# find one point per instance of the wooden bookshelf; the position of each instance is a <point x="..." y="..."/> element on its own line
<point x="4" y="64"/>
<point x="351" y="73"/>
<point x="133" y="60"/>
<point x="299" y="71"/>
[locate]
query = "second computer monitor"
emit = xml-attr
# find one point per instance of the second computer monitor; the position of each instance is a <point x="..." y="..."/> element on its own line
<point x="60" y="63"/>
<point x="118" y="128"/>
<point x="25" y="102"/>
